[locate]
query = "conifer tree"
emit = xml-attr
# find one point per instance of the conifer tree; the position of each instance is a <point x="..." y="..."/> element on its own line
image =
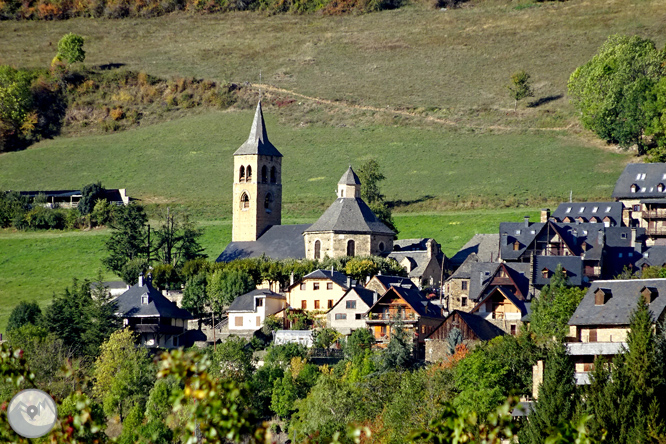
<point x="557" y="399"/>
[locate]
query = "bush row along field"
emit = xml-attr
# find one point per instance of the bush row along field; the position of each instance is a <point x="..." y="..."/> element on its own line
<point x="190" y="160"/>
<point x="117" y="9"/>
<point x="453" y="64"/>
<point x="34" y="265"/>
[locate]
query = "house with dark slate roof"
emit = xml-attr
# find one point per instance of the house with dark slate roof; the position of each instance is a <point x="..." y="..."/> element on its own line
<point x="474" y="280"/>
<point x="381" y="283"/>
<point x="318" y="291"/>
<point x="599" y="326"/>
<point x="422" y="259"/>
<point x="348" y="227"/>
<point x="472" y="327"/>
<point x="608" y="213"/>
<point x="348" y="314"/>
<point x="503" y="308"/>
<point x="641" y="188"/>
<point x="248" y="311"/>
<point x="157" y="321"/>
<point x="418" y="315"/>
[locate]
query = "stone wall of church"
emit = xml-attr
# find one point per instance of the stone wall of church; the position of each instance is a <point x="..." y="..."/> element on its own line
<point x="335" y="244"/>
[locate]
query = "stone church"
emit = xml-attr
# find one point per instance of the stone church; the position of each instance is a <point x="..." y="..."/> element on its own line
<point x="347" y="228"/>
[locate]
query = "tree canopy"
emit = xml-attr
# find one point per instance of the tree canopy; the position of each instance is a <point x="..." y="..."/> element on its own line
<point x="613" y="90"/>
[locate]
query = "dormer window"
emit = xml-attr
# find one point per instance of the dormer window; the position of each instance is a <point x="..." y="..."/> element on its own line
<point x="660" y="187"/>
<point x="649" y="294"/>
<point x="568" y="210"/>
<point x="517" y="232"/>
<point x="634" y="188"/>
<point x="581" y="210"/>
<point x="545" y="273"/>
<point x="601" y="296"/>
<point x="608" y="209"/>
<point x="565" y="272"/>
<point x="595" y="209"/>
<point x="145" y="299"/>
<point x="516" y="246"/>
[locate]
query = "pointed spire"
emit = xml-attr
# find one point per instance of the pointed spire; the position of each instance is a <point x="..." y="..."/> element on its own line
<point x="257" y="142"/>
<point x="349" y="178"/>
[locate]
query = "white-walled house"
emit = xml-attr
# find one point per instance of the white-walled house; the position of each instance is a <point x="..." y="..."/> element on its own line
<point x="348" y="313"/>
<point x="247" y="312"/>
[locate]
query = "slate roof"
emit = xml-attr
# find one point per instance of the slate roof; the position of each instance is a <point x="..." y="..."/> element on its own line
<point x="398" y="281"/>
<point x="654" y="256"/>
<point x="589" y="210"/>
<point x="129" y="304"/>
<point x="419" y="244"/>
<point x="367" y="296"/>
<point x="349" y="178"/>
<point x="646" y="176"/>
<point x="278" y="242"/>
<point x="335" y="276"/>
<point x="418" y="260"/>
<point x="465" y="269"/>
<point x="350" y="215"/>
<point x="572" y="234"/>
<point x="257" y="142"/>
<point x="485" y="246"/>
<point x="413" y="297"/>
<point x="481" y="275"/>
<point x="245" y="302"/>
<point x="573" y="265"/>
<point x="483" y="329"/>
<point x="617" y="310"/>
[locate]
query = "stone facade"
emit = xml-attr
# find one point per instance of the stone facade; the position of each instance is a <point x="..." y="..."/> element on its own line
<point x="457" y="291"/>
<point x="334" y="244"/>
<point x="257" y="197"/>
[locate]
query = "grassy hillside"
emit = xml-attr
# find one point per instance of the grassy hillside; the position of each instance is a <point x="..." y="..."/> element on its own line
<point x="189" y="161"/>
<point x="413" y="57"/>
<point x="35" y="265"/>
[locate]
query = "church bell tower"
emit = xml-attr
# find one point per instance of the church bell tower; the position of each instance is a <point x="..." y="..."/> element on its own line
<point x="257" y="195"/>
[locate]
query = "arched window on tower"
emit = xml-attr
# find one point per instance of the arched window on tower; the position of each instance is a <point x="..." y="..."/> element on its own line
<point x="264" y="174"/>
<point x="245" y="201"/>
<point x="351" y="248"/>
<point x="273" y="175"/>
<point x="317" y="252"/>
<point x="248" y="173"/>
<point x="268" y="202"/>
<point x="241" y="175"/>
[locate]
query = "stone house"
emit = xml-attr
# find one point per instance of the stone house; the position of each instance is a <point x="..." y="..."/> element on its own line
<point x="472" y="327"/>
<point x="248" y="311"/>
<point x="474" y="280"/>
<point x="503" y="308"/>
<point x="422" y="259"/>
<point x="348" y="227"/>
<point x="157" y="321"/>
<point x="318" y="291"/>
<point x="348" y="314"/>
<point x="600" y="324"/>
<point x="417" y="314"/>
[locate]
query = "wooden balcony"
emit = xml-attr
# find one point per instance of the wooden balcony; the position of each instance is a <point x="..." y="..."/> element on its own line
<point x="655" y="214"/>
<point x="656" y="231"/>
<point x="384" y="318"/>
<point x="158" y="328"/>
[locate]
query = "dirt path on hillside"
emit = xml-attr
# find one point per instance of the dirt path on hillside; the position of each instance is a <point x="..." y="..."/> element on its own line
<point x="387" y="109"/>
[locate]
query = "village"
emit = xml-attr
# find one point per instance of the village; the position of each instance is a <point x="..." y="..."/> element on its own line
<point x="485" y="290"/>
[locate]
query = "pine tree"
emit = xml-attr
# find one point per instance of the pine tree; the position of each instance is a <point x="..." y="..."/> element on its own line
<point x="557" y="399"/>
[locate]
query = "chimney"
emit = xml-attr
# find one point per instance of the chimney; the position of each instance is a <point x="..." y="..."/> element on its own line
<point x="375" y="296"/>
<point x="140" y="279"/>
<point x="367" y="279"/>
<point x="348" y="282"/>
<point x="379" y="273"/>
<point x="527" y="221"/>
<point x="545" y="215"/>
<point x="537" y="378"/>
<point x="332" y="269"/>
<point x="634" y="241"/>
<point x="601" y="238"/>
<point x="291" y="279"/>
